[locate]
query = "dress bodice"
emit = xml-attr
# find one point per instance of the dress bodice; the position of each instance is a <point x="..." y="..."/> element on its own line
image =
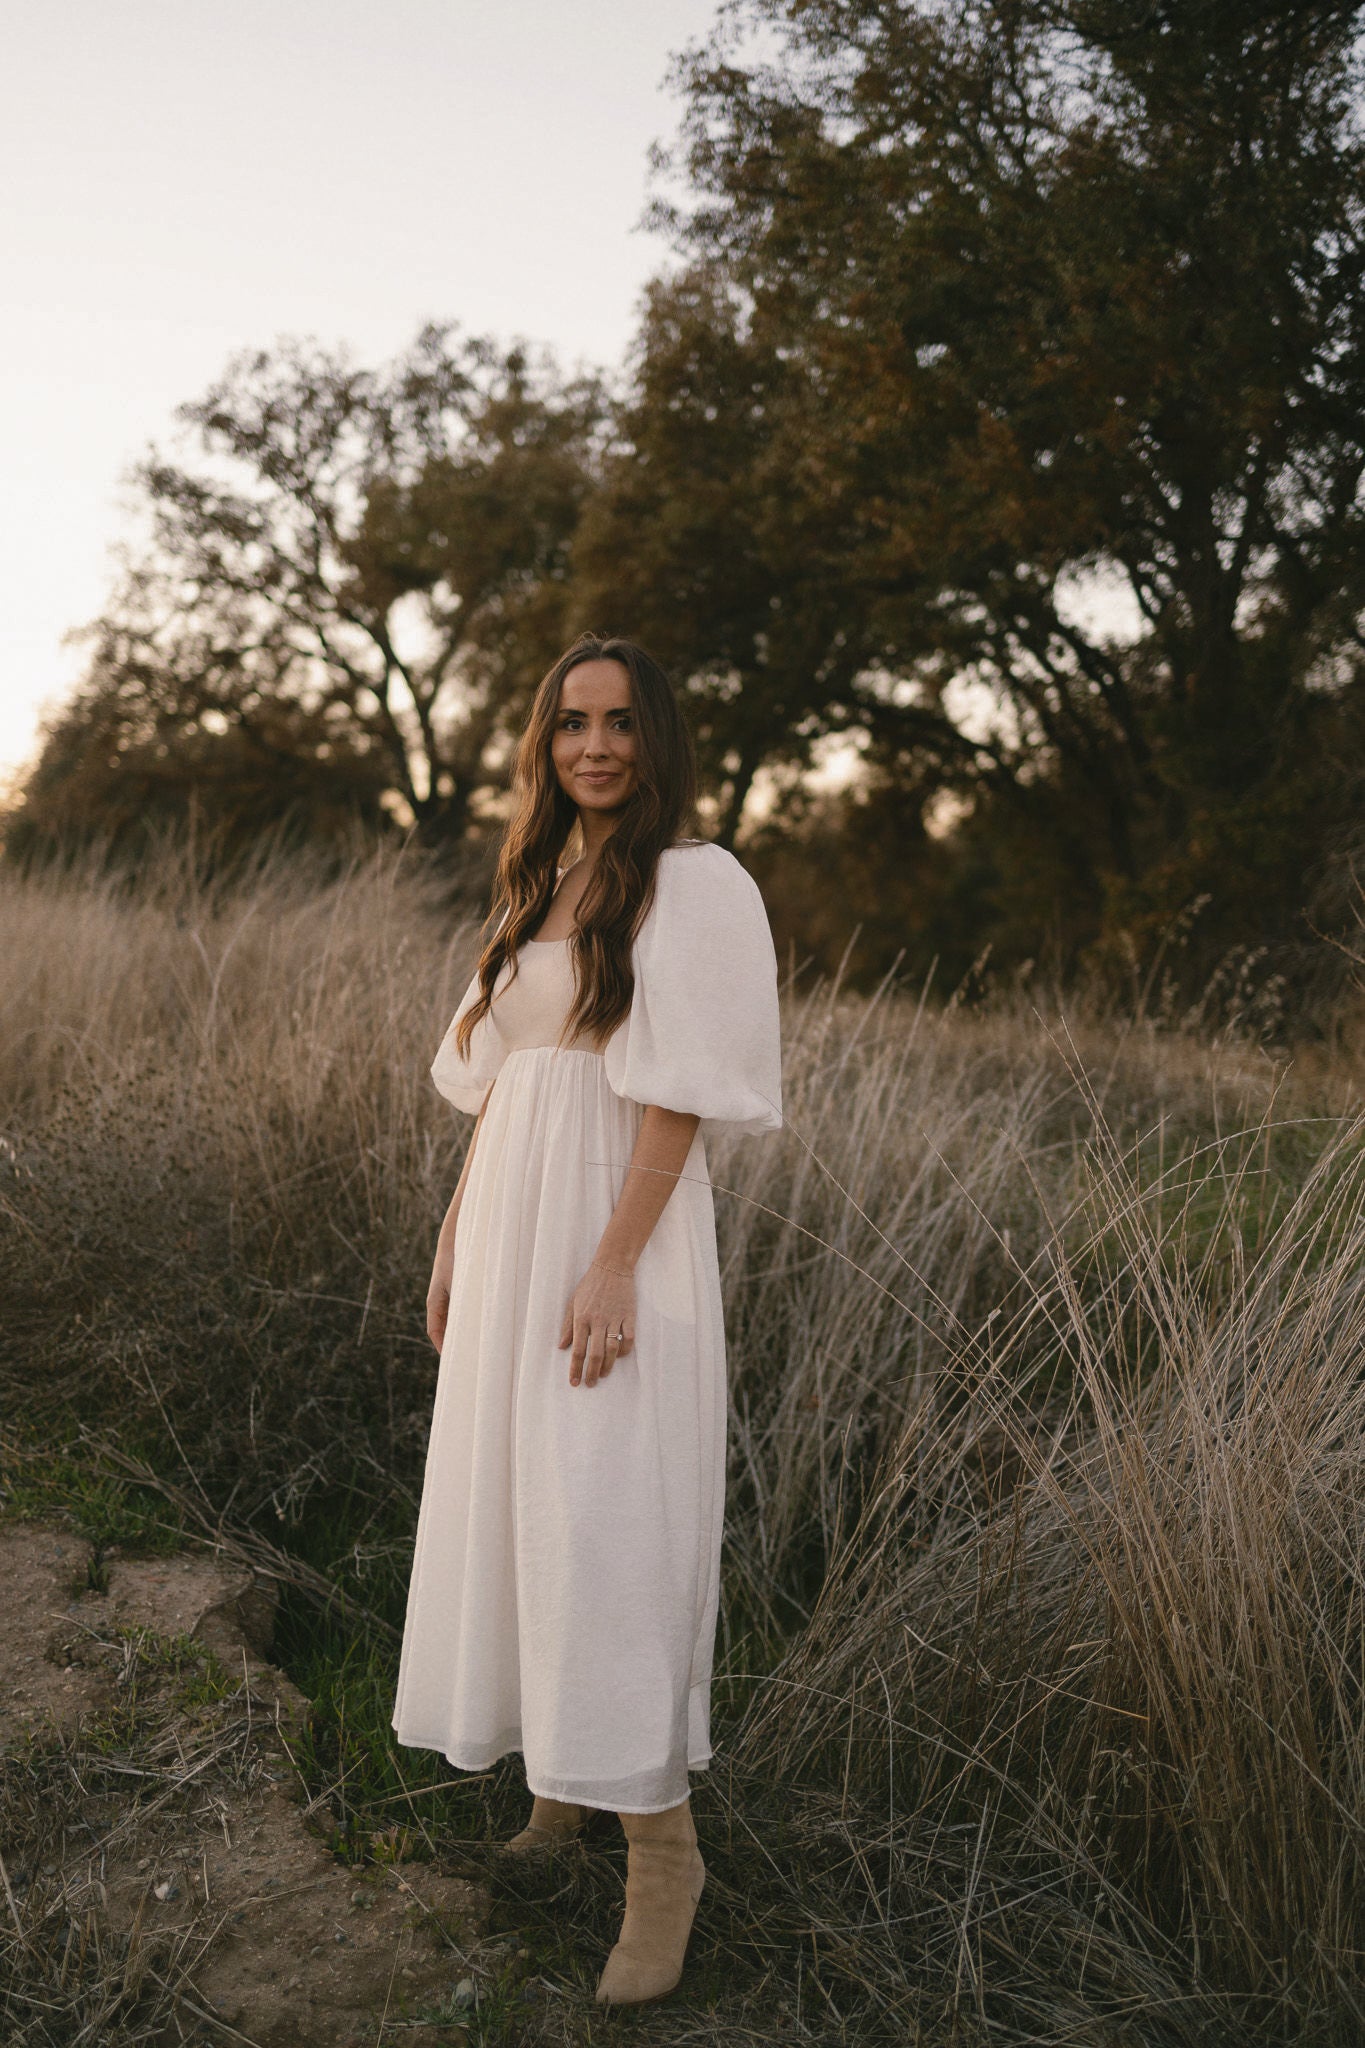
<point x="530" y="1009"/>
<point x="701" y="1033"/>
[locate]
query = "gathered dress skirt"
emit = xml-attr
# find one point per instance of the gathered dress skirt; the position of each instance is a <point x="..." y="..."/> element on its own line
<point x="566" y="1574"/>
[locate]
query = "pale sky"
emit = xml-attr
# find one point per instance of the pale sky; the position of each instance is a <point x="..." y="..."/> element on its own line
<point x="186" y="178"/>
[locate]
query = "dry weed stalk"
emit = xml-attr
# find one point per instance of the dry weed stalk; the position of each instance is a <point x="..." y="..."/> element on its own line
<point x="1042" y="1640"/>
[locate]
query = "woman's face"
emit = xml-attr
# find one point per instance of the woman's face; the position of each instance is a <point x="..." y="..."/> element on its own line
<point x="593" y="748"/>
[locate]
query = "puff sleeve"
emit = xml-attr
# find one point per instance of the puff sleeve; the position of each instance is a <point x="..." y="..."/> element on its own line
<point x="702" y="1034"/>
<point x="465" y="1079"/>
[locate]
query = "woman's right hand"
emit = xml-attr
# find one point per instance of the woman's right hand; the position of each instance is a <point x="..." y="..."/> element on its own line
<point x="438" y="1293"/>
<point x="438" y="1310"/>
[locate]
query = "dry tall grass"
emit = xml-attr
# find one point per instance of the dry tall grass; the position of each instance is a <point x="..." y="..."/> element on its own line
<point x="1040" y="1699"/>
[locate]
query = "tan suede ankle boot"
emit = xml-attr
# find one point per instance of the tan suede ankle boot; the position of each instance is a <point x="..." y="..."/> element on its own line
<point x="552" y="1820"/>
<point x="664" y="1879"/>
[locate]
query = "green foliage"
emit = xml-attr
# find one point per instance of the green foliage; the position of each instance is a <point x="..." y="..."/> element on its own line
<point x="39" y="1482"/>
<point x="1074" y="291"/>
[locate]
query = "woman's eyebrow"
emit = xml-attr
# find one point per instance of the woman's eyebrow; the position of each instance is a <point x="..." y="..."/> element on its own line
<point x="618" y="711"/>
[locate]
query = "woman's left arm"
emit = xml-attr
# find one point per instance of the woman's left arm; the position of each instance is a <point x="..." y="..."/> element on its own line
<point x="604" y="1299"/>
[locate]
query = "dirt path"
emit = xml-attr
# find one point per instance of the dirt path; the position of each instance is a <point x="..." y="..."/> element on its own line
<point x="155" y="1853"/>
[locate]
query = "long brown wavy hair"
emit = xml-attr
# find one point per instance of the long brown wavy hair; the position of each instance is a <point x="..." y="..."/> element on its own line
<point x="621" y="889"/>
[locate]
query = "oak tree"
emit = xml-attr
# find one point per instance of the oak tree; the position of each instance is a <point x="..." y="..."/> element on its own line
<point x="348" y="586"/>
<point x="1072" y="293"/>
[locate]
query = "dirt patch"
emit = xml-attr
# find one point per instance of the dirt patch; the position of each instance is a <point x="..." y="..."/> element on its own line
<point x="156" y="1858"/>
<point x="45" y="1576"/>
<point x="300" y="1948"/>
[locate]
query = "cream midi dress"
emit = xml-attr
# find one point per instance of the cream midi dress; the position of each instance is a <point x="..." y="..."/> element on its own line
<point x="566" y="1576"/>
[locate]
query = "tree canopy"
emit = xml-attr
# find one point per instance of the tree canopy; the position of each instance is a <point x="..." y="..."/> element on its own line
<point x="351" y="591"/>
<point x="1073" y="293"/>
<point x="1002" y="419"/>
<point x="709" y="537"/>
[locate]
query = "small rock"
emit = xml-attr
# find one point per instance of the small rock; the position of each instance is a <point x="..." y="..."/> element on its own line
<point x="464" y="1991"/>
<point x="167" y="1889"/>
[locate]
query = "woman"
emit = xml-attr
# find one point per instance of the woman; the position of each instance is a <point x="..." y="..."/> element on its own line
<point x="566" y="1575"/>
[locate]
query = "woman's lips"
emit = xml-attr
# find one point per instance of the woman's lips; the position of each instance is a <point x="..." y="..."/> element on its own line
<point x="599" y="776"/>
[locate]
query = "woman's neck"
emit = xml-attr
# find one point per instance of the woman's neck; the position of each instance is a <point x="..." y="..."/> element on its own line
<point x="594" y="830"/>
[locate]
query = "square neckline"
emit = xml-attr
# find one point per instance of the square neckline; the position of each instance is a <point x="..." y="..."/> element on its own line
<point x="559" y="876"/>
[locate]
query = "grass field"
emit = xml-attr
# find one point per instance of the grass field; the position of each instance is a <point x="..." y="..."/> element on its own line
<point x="1040" y="1700"/>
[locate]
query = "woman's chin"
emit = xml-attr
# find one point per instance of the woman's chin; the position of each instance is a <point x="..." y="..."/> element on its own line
<point x="603" y="802"/>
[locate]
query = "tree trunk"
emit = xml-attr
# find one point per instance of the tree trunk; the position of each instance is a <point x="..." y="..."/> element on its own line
<point x="741" y="782"/>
